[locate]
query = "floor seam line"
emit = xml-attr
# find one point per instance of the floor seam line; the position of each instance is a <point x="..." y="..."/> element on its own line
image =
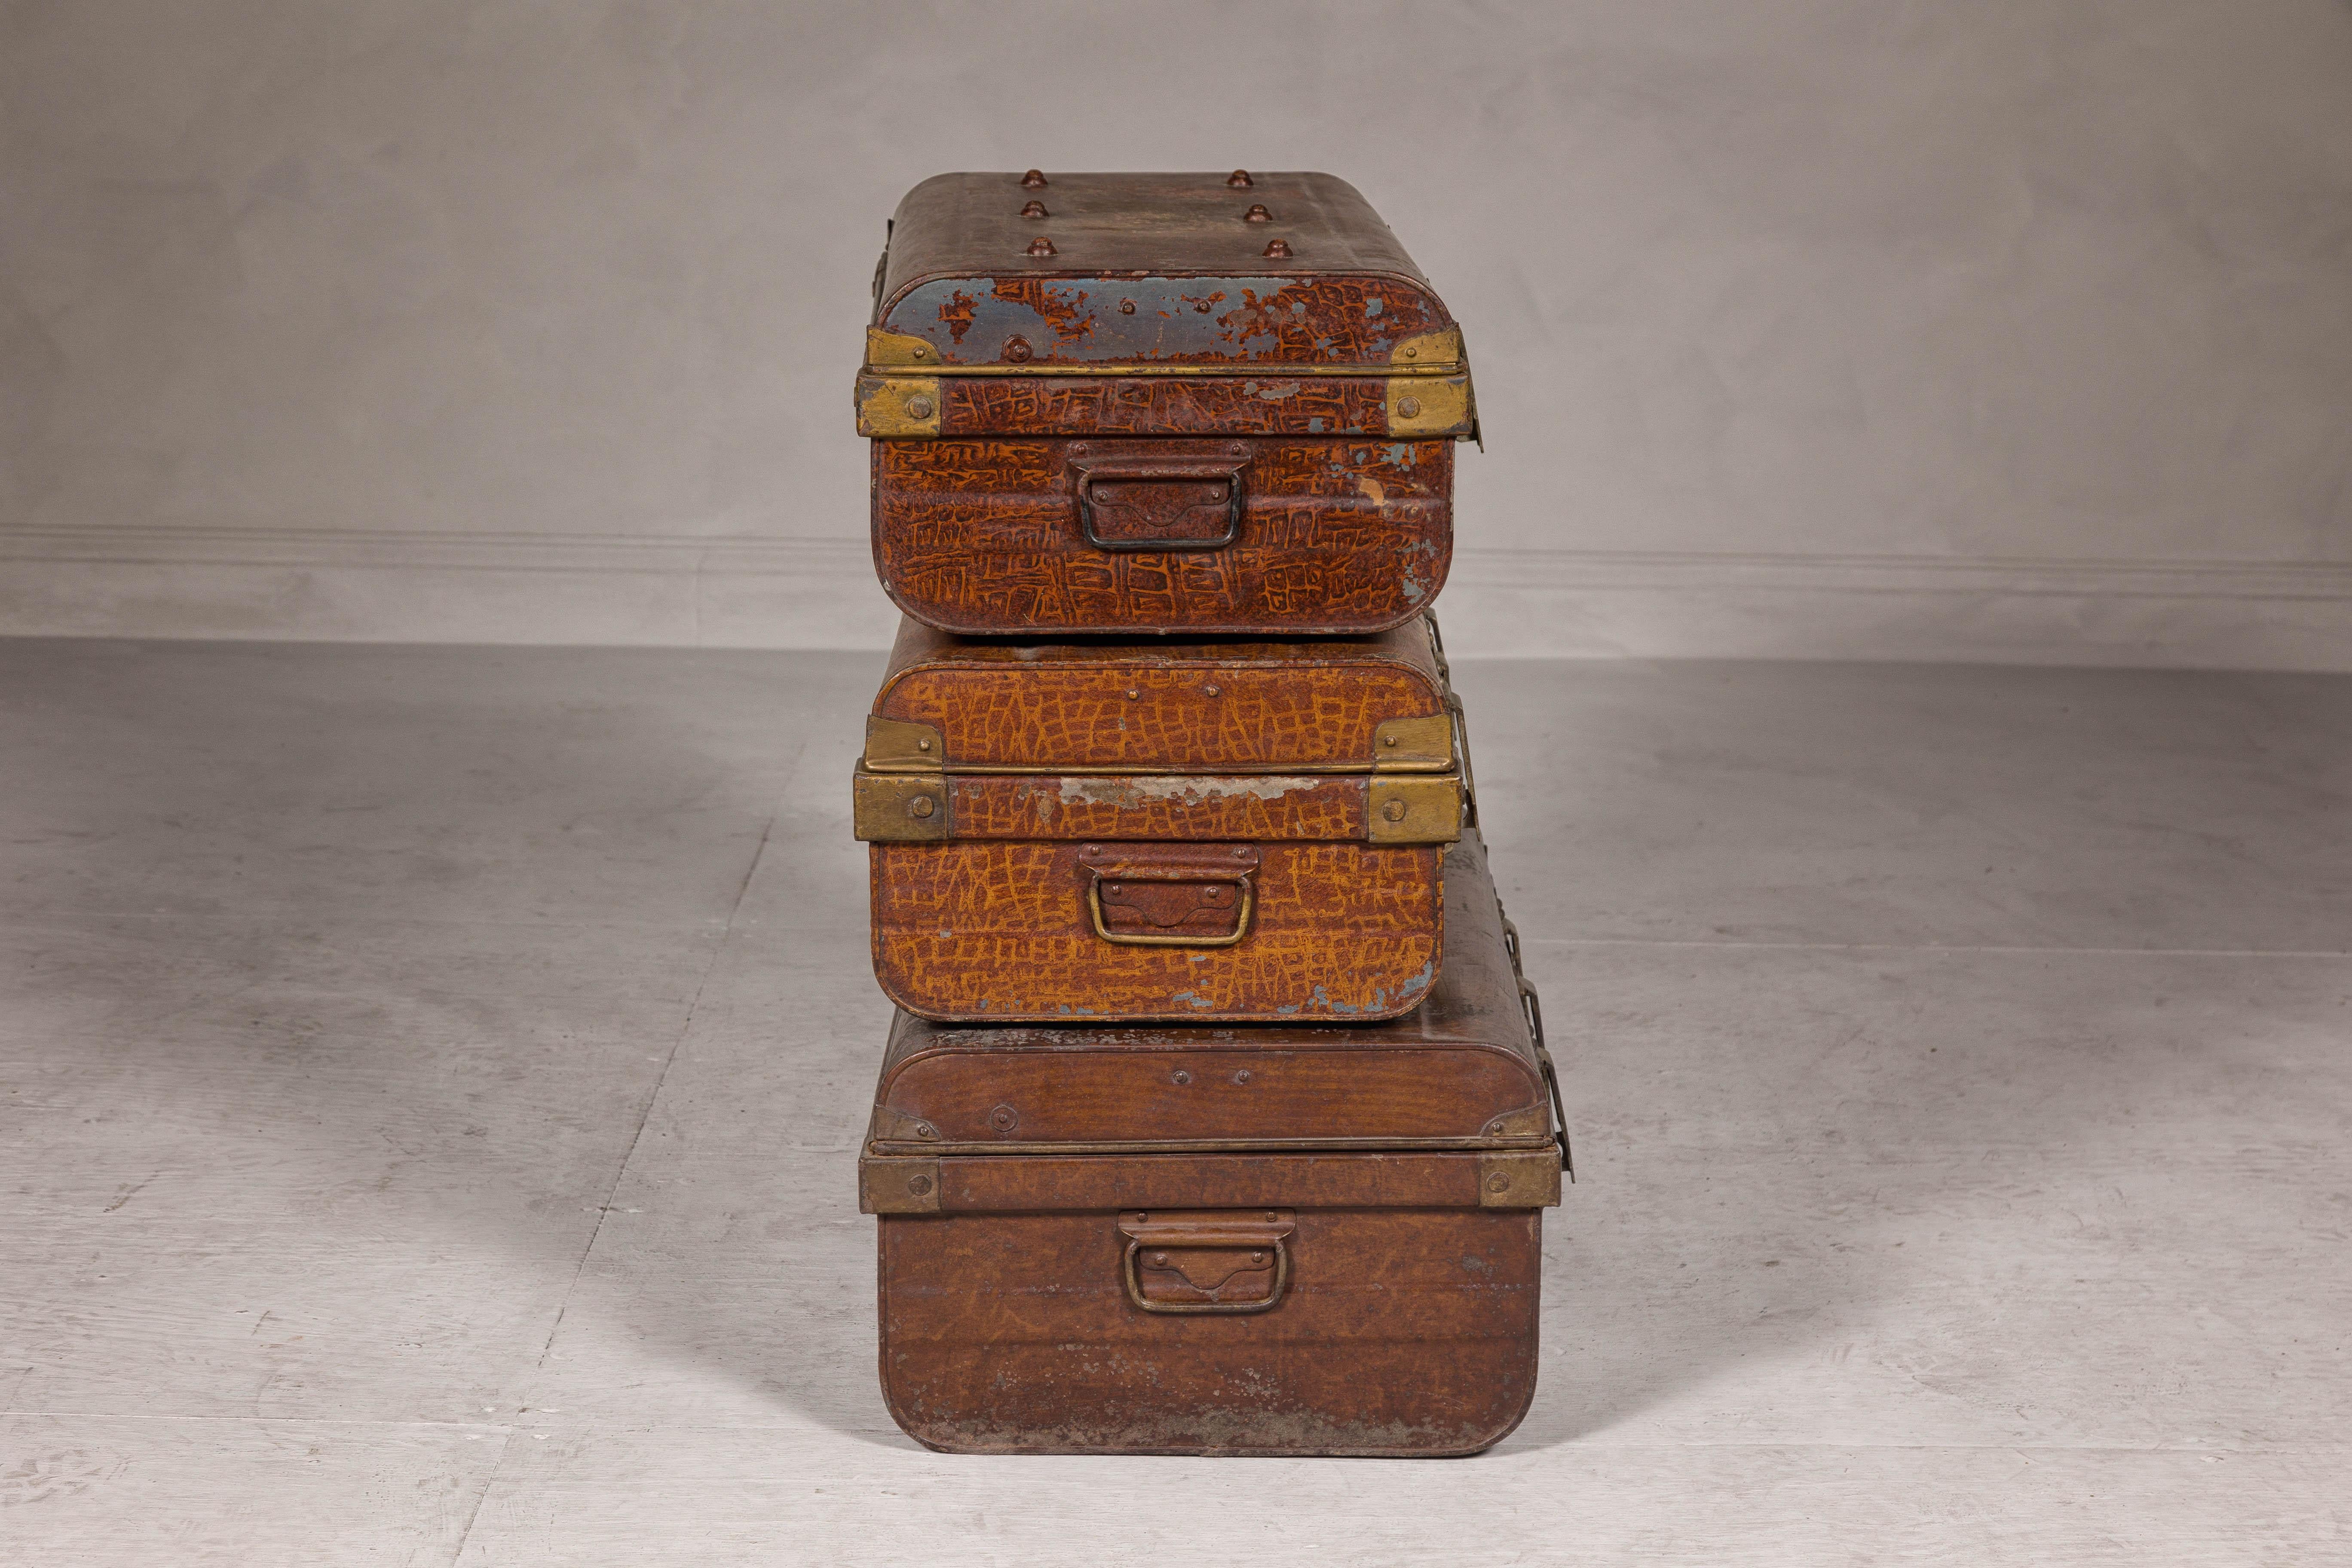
<point x="621" y="1169"/>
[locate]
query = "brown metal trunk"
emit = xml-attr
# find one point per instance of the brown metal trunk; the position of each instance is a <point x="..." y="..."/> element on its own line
<point x="1276" y="1240"/>
<point x="1203" y="407"/>
<point x="1206" y="832"/>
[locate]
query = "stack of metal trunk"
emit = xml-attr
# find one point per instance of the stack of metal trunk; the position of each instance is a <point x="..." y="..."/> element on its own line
<point x="1216" y="1117"/>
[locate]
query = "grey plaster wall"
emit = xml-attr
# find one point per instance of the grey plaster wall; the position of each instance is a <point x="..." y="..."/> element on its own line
<point x="1813" y="326"/>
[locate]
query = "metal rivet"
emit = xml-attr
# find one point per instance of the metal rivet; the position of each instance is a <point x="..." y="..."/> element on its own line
<point x="1393" y="811"/>
<point x="925" y="1129"/>
<point x="1182" y="1077"/>
<point x="1017" y="350"/>
<point x="1239" y="177"/>
<point x="925" y="744"/>
<point x="1004" y="1119"/>
<point x="1278" y="249"/>
<point x="923" y="806"/>
<point x="1035" y="209"/>
<point x="1257" y="213"/>
<point x="1241" y="854"/>
<point x="1133" y="695"/>
<point x="918" y="1185"/>
<point x="1408" y="353"/>
<point x="1257" y="1257"/>
<point x="1159" y="1259"/>
<point x="1495" y="1126"/>
<point x="921" y="351"/>
<point x="1271" y="1216"/>
<point x="1385" y="741"/>
<point x="1498" y="1183"/>
<point x="1211" y="691"/>
<point x="1408" y="406"/>
<point x="1127" y="307"/>
<point x="1140" y="1216"/>
<point x="1041" y="246"/>
<point x="919" y="408"/>
<point x="1034" y="179"/>
<point x="1092" y="849"/>
<point x="1242" y="1077"/>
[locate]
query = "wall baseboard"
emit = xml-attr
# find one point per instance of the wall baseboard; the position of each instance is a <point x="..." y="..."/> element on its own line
<point x="387" y="586"/>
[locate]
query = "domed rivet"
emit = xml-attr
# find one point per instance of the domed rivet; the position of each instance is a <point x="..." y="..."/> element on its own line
<point x="1498" y="1183"/>
<point x="1409" y="406"/>
<point x="1242" y="1077"/>
<point x="918" y="1185"/>
<point x="1127" y="307"/>
<point x="1034" y="179"/>
<point x="1182" y="1077"/>
<point x="919" y="408"/>
<point x="1159" y="1259"/>
<point x="1257" y="213"/>
<point x="923" y="806"/>
<point x="1133" y="695"/>
<point x="1017" y="350"/>
<point x="1393" y="811"/>
<point x="1035" y="209"/>
<point x="1210" y="691"/>
<point x="1385" y="741"/>
<point x="925" y="744"/>
<point x="925" y="1129"/>
<point x="1408" y="353"/>
<point x="1277" y="249"/>
<point x="1239" y="178"/>
<point x="1041" y="246"/>
<point x="1257" y="1257"/>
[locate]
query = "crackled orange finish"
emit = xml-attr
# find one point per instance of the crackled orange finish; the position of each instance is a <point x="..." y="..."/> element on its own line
<point x="1335" y="536"/>
<point x="1182" y="707"/>
<point x="990" y="930"/>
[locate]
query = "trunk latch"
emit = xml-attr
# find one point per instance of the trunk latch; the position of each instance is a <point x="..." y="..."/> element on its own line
<point x="1223" y="1260"/>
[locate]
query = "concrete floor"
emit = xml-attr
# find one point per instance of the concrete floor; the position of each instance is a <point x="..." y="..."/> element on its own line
<point x="433" y="1077"/>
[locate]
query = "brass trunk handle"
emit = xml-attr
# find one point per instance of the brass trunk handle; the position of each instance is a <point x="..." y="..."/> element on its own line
<point x="1245" y="904"/>
<point x="1253" y="1246"/>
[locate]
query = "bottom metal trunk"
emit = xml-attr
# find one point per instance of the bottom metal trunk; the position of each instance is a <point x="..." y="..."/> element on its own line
<point x="1290" y="1239"/>
<point x="1389" y="1331"/>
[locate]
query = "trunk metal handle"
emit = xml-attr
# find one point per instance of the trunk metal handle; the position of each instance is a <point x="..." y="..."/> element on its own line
<point x="1201" y="1232"/>
<point x="1246" y="903"/>
<point x="1100" y="478"/>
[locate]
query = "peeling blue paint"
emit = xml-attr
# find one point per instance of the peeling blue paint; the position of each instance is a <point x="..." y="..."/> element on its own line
<point x="1288" y="1009"/>
<point x="1371" y="305"/>
<point x="1400" y="453"/>
<point x="1315" y="426"/>
<point x="1193" y="1000"/>
<point x="1421" y="981"/>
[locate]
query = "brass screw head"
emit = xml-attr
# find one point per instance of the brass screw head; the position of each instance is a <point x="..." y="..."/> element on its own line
<point x="1041" y="246"/>
<point x="923" y="806"/>
<point x="1240" y="177"/>
<point x="1278" y="249"/>
<point x="1393" y="811"/>
<point x="1409" y="406"/>
<point x="1017" y="350"/>
<point x="1034" y="179"/>
<point x="1257" y="213"/>
<point x="920" y="407"/>
<point x="1035" y="209"/>
<point x="918" y="1185"/>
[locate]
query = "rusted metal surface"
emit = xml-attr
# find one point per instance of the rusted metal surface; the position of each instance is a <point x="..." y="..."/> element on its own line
<point x="1184" y="249"/>
<point x="1306" y="537"/>
<point x="1270" y="1240"/>
<point x="1198" y="831"/>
